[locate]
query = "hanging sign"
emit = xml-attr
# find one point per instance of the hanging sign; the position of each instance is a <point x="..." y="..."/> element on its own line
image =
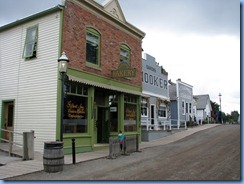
<point x="124" y="70"/>
<point x="113" y="109"/>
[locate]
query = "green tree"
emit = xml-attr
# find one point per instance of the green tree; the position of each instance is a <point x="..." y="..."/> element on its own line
<point x="215" y="107"/>
<point x="231" y="118"/>
<point x="235" y="116"/>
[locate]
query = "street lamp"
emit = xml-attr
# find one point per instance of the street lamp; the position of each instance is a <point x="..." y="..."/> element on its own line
<point x="220" y="107"/>
<point x="62" y="67"/>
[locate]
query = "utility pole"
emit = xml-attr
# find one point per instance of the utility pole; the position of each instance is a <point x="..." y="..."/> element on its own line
<point x="220" y="108"/>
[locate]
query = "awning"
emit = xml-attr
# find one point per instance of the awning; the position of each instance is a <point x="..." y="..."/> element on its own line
<point x="101" y="85"/>
<point x="149" y="94"/>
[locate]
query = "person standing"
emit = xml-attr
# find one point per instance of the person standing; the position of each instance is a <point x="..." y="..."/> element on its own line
<point x="121" y="138"/>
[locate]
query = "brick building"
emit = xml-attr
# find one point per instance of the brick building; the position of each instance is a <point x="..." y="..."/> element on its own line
<point x="103" y="79"/>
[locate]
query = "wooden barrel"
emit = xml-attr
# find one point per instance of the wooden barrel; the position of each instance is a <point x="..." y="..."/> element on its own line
<point x="53" y="157"/>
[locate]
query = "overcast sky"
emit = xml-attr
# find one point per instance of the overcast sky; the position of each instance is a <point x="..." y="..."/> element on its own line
<point x="195" y="40"/>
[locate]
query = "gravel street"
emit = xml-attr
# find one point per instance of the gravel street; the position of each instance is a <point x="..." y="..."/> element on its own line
<point x="212" y="154"/>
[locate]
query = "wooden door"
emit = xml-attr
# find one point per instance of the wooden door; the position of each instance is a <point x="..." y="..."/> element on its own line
<point x="8" y="118"/>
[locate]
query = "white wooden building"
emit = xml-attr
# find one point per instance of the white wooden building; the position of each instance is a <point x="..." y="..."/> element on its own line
<point x="203" y="108"/>
<point x="28" y="85"/>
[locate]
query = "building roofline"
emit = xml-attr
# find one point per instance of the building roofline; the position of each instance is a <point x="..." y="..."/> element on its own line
<point x="31" y="17"/>
<point x="99" y="8"/>
<point x="179" y="81"/>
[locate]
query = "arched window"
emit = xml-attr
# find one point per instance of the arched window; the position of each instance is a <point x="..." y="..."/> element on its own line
<point x="92" y="46"/>
<point x="124" y="53"/>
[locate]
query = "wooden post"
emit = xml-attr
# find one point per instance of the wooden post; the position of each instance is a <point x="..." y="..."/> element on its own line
<point x="10" y="143"/>
<point x="28" y="145"/>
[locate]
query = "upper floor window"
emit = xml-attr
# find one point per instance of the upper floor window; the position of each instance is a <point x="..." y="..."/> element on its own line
<point x="92" y="46"/>
<point x="124" y="54"/>
<point x="30" y="47"/>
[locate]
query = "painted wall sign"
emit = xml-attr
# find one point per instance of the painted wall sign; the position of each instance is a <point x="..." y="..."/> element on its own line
<point x="154" y="81"/>
<point x="75" y="107"/>
<point x="124" y="70"/>
<point x="130" y="112"/>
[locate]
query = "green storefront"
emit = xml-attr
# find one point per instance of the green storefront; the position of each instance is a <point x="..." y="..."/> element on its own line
<point x="96" y="108"/>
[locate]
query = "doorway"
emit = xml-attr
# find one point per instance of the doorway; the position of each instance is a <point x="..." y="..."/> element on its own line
<point x="8" y="118"/>
<point x="102" y="125"/>
<point x="152" y="116"/>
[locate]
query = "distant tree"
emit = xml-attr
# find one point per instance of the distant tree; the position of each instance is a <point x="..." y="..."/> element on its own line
<point x="235" y="116"/>
<point x="231" y="118"/>
<point x="215" y="107"/>
<point x="225" y="117"/>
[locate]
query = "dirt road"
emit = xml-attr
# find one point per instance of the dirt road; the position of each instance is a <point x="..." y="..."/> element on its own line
<point x="212" y="154"/>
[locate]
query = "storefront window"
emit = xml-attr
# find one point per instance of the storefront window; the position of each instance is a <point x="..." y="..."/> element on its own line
<point x="75" y="110"/>
<point x="144" y="109"/>
<point x="130" y="114"/>
<point x="162" y="111"/>
<point x="113" y="103"/>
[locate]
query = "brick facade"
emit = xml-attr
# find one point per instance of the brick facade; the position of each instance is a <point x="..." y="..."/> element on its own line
<point x="76" y="20"/>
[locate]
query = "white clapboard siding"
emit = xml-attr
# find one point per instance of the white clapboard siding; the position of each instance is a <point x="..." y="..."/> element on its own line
<point x="32" y="83"/>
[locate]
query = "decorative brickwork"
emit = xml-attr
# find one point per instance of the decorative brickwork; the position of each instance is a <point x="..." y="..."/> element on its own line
<point x="76" y="20"/>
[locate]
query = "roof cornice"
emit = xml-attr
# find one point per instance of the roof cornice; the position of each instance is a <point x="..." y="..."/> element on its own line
<point x="96" y="7"/>
<point x="179" y="81"/>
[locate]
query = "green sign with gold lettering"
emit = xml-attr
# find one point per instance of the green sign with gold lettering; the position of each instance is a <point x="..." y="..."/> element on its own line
<point x="124" y="70"/>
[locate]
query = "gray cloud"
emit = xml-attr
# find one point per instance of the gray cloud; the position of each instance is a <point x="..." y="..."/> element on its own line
<point x="187" y="16"/>
<point x="12" y="10"/>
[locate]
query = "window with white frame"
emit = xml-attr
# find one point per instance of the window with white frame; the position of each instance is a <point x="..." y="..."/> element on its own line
<point x="183" y="107"/>
<point x="162" y="111"/>
<point x="124" y="54"/>
<point x="144" y="109"/>
<point x="30" y="47"/>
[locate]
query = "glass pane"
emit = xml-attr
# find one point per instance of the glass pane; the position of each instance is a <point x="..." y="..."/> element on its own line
<point x="93" y="39"/>
<point x="75" y="114"/>
<point x="30" y="44"/>
<point x="85" y="91"/>
<point x="124" y="55"/>
<point x="114" y="117"/>
<point x="73" y="88"/>
<point x="79" y="90"/>
<point x="144" y="111"/>
<point x="130" y="118"/>
<point x="31" y="35"/>
<point x="92" y="48"/>
<point x="29" y="49"/>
